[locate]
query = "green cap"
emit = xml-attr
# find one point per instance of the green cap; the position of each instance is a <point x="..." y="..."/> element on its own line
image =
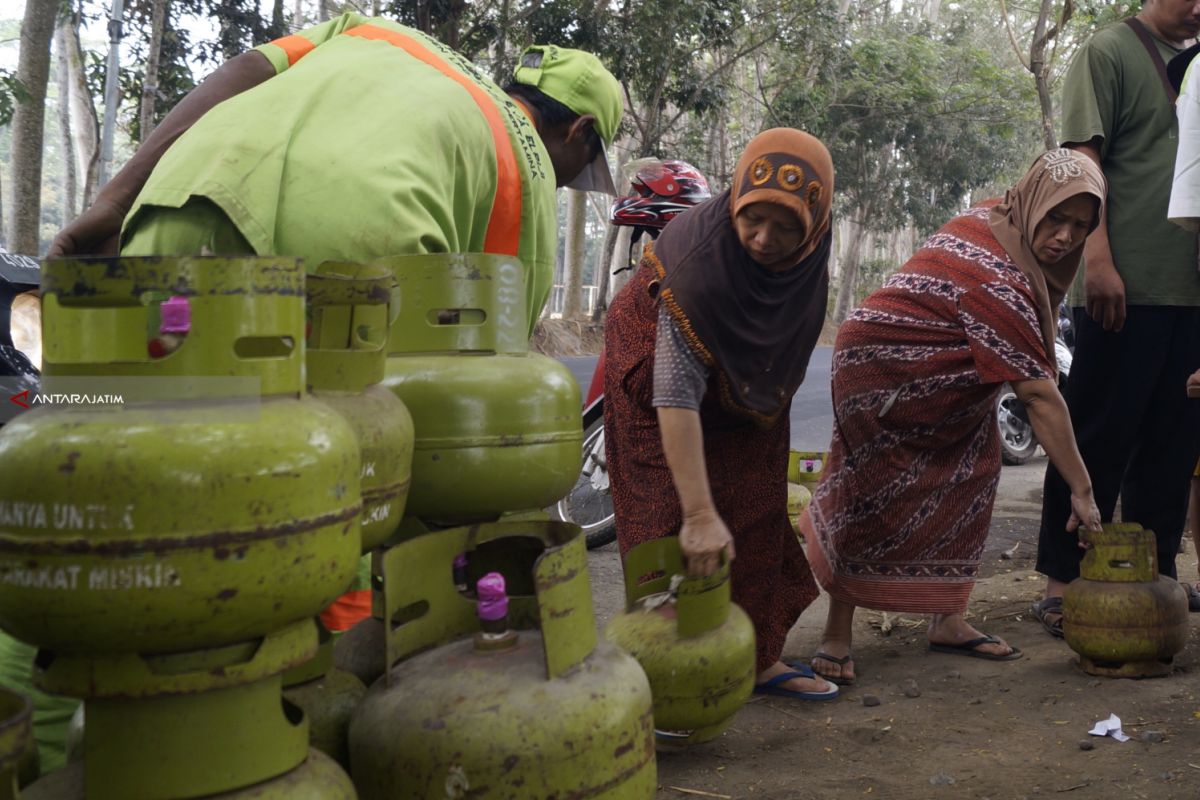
<point x="581" y="83"/>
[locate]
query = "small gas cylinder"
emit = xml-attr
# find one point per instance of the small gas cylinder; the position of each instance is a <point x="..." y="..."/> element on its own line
<point x="206" y="501"/>
<point x="360" y="651"/>
<point x="16" y="738"/>
<point x="318" y="777"/>
<point x="497" y="427"/>
<point x="327" y="696"/>
<point x="806" y="466"/>
<point x="516" y="713"/>
<point x="696" y="646"/>
<point x="1120" y="615"/>
<point x="345" y="361"/>
<point x="798" y="498"/>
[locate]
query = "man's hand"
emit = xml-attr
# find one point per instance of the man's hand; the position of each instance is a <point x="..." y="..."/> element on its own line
<point x="702" y="539"/>
<point x="1104" y="293"/>
<point x="95" y="232"/>
<point x="1193" y="384"/>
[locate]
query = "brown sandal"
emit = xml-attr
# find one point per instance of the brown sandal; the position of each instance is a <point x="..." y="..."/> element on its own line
<point x="1042" y="610"/>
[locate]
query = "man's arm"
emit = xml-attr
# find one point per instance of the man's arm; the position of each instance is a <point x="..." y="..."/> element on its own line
<point x="97" y="230"/>
<point x="1104" y="290"/>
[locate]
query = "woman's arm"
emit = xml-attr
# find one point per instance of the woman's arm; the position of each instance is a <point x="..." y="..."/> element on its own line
<point x="97" y="230"/>
<point x="1052" y="424"/>
<point x="703" y="536"/>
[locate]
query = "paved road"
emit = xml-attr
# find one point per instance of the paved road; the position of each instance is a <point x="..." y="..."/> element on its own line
<point x="812" y="409"/>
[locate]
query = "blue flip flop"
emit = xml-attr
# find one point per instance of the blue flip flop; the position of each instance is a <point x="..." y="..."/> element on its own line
<point x="772" y="687"/>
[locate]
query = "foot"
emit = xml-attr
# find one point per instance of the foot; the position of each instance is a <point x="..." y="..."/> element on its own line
<point x="952" y="629"/>
<point x="795" y="684"/>
<point x="833" y="661"/>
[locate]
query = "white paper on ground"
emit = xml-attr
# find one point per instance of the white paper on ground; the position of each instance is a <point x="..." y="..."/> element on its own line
<point x="1109" y="727"/>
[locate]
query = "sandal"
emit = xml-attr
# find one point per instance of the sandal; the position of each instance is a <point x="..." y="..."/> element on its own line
<point x="1193" y="596"/>
<point x="836" y="680"/>
<point x="1041" y="611"/>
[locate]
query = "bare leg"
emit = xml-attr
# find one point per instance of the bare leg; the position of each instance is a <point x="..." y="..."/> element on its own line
<point x="839" y="629"/>
<point x="953" y="629"/>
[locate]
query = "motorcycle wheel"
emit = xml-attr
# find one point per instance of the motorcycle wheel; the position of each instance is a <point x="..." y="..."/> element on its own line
<point x="589" y="504"/>
<point x="1017" y="442"/>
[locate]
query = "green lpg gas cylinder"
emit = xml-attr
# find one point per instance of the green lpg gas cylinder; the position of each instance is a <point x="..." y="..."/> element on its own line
<point x="208" y="501"/>
<point x="318" y="777"/>
<point x="16" y="738"/>
<point x="696" y="646"/>
<point x="1121" y="616"/>
<point x="346" y="359"/>
<point x="498" y="427"/>
<point x="804" y="473"/>
<point x="327" y="696"/>
<point x="519" y="714"/>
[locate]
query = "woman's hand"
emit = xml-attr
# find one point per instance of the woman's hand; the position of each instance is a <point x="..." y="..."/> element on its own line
<point x="703" y="538"/>
<point x="1083" y="513"/>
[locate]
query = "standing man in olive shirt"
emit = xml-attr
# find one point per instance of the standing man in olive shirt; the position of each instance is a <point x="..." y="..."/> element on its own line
<point x="1136" y="303"/>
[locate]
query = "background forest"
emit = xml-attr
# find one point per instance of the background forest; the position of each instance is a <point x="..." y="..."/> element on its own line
<point x="925" y="104"/>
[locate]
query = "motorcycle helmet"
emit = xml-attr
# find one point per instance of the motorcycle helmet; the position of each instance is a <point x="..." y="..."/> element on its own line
<point x="660" y="191"/>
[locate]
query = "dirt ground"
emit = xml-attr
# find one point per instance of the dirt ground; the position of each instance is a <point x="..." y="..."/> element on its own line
<point x="971" y="728"/>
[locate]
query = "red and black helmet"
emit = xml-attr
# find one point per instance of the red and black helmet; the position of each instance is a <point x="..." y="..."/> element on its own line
<point x="660" y="190"/>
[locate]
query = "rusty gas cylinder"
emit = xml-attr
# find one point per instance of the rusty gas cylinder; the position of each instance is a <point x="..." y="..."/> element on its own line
<point x="1121" y="616"/>
<point x="695" y="644"/>
<point x="519" y="702"/>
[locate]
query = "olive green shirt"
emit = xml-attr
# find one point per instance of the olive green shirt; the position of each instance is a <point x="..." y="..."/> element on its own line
<point x="1113" y="91"/>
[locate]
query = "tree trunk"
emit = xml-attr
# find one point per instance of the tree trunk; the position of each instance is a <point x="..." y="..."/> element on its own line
<point x="298" y="15"/>
<point x="147" y="118"/>
<point x="28" y="125"/>
<point x="62" y="76"/>
<point x="85" y="125"/>
<point x="573" y="254"/>
<point x="278" y="25"/>
<point x="1041" y="70"/>
<point x="604" y="273"/>
<point x="850" y="261"/>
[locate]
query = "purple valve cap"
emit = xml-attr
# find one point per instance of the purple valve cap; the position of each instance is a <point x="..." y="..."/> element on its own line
<point x="493" y="600"/>
<point x="460" y="561"/>
<point x="176" y="315"/>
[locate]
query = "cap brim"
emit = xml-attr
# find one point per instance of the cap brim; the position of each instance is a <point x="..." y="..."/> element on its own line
<point x="596" y="177"/>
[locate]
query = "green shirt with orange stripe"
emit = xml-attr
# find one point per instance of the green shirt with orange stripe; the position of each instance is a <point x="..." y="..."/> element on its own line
<point x="371" y="140"/>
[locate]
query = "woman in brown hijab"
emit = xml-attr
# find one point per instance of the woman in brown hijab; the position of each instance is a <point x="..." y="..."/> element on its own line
<point x="899" y="520"/>
<point x="705" y="347"/>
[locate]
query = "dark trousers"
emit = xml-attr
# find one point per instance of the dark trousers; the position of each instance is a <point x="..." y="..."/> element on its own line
<point x="1137" y="431"/>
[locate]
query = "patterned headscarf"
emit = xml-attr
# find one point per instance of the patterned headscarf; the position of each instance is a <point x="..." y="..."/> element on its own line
<point x="1054" y="177"/>
<point x="789" y="168"/>
<point x="755" y="327"/>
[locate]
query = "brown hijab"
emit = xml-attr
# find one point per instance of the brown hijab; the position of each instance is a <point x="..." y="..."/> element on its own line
<point x="1055" y="176"/>
<point x="755" y="328"/>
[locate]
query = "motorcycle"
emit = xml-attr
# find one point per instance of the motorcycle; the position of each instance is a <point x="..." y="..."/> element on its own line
<point x="589" y="503"/>
<point x="660" y="190"/>
<point x="20" y="328"/>
<point x="1018" y="443"/>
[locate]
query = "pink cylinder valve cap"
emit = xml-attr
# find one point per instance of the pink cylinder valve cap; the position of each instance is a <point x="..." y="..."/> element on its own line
<point x="176" y="315"/>
<point x="493" y="600"/>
